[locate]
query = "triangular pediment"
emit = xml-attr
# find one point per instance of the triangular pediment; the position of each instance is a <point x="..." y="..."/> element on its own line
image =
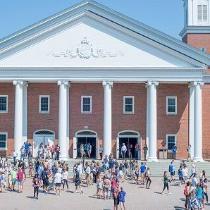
<point x="89" y="40"/>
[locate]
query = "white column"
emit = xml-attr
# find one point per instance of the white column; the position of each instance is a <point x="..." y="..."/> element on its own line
<point x="107" y="117"/>
<point x="25" y="113"/>
<point x="198" y="122"/>
<point x="63" y="127"/>
<point x="152" y="120"/>
<point x="191" y="118"/>
<point x="18" y="124"/>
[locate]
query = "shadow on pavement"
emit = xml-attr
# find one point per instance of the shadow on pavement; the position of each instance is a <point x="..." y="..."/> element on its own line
<point x="178" y="208"/>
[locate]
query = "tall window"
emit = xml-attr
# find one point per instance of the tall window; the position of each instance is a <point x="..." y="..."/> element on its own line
<point x="86" y="104"/>
<point x="171" y="105"/>
<point x="128" y="104"/>
<point x="44" y="104"/>
<point x="170" y="141"/>
<point x="3" y="141"/>
<point x="202" y="13"/>
<point x="3" y="103"/>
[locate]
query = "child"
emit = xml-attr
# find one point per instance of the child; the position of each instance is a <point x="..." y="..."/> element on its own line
<point x="121" y="197"/>
<point x="99" y="188"/>
<point x="36" y="185"/>
<point x="180" y="174"/>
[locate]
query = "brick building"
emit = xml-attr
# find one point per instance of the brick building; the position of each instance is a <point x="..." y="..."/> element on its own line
<point x="92" y="75"/>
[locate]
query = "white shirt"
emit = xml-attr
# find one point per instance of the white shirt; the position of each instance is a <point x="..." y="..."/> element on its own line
<point x="124" y="148"/>
<point x="65" y="175"/>
<point x="58" y="178"/>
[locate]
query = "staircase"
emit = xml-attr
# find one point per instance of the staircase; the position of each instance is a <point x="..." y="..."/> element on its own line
<point x="157" y="168"/>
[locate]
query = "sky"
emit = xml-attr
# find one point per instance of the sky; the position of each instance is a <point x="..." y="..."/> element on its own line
<point x="164" y="15"/>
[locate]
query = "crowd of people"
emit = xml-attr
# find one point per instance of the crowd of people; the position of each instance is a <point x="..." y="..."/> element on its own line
<point x="47" y="173"/>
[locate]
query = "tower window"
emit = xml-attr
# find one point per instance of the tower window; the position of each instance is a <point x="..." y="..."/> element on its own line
<point x="202" y="13"/>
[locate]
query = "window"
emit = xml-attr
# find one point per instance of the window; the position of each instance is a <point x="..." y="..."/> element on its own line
<point x="3" y="141"/>
<point x="3" y="104"/>
<point x="128" y="104"/>
<point x="44" y="104"/>
<point x="171" y="105"/>
<point x="170" y="141"/>
<point x="202" y="13"/>
<point x="86" y="104"/>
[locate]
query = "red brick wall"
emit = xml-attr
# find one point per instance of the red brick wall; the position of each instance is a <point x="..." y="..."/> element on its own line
<point x="79" y="121"/>
<point x="136" y="121"/>
<point x="37" y="120"/>
<point x="206" y="120"/>
<point x="7" y="119"/>
<point x="198" y="40"/>
<point x="166" y="124"/>
<point x="173" y="124"/>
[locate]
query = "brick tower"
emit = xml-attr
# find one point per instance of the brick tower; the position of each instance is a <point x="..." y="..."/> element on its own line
<point x="196" y="30"/>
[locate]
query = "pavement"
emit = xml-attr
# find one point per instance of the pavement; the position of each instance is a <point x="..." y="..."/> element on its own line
<point x="138" y="198"/>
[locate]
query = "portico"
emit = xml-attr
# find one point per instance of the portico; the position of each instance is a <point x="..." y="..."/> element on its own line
<point x="109" y="77"/>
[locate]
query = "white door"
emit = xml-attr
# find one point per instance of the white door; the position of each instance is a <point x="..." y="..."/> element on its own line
<point x="97" y="149"/>
<point x="117" y="148"/>
<point x="37" y="141"/>
<point x="74" y="147"/>
<point x="44" y="139"/>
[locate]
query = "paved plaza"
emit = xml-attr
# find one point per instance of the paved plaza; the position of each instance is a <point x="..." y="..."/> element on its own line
<point x="138" y="198"/>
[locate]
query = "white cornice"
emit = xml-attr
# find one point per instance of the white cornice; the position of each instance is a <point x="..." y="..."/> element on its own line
<point x="29" y="35"/>
<point x="102" y="74"/>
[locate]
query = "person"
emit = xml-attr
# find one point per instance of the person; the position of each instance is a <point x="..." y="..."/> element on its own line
<point x="145" y="152"/>
<point x="205" y="192"/>
<point x="57" y="181"/>
<point x="45" y="179"/>
<point x="189" y="152"/>
<point x="130" y="151"/>
<point x="142" y="172"/>
<point x="36" y="185"/>
<point x="165" y="182"/>
<point x="172" y="170"/>
<point x="65" y="178"/>
<point x="123" y="150"/>
<point x="14" y="158"/>
<point x="81" y="150"/>
<point x="89" y="149"/>
<point x="77" y="181"/>
<point x="115" y="196"/>
<point x="99" y="185"/>
<point x="57" y="151"/>
<point x="187" y="195"/>
<point x="148" y="178"/>
<point x="199" y="195"/>
<point x="137" y="151"/>
<point x="121" y="197"/>
<point x="20" y="179"/>
<point x="174" y="151"/>
<point x="13" y="177"/>
<point x="101" y="151"/>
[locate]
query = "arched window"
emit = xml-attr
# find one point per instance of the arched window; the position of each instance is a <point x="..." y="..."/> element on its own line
<point x="128" y="133"/>
<point x="44" y="132"/>
<point x="85" y="133"/>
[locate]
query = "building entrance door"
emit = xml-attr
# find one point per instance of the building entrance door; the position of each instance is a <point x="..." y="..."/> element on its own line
<point x="42" y="137"/>
<point x="86" y="144"/>
<point x="131" y="140"/>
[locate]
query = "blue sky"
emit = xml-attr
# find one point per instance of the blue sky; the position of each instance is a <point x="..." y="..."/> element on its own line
<point x="164" y="15"/>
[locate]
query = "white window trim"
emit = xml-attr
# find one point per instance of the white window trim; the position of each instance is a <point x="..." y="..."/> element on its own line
<point x="202" y="13"/>
<point x="6" y="104"/>
<point x="86" y="112"/>
<point x="126" y="112"/>
<point x="171" y="113"/>
<point x="44" y="112"/>
<point x="167" y="135"/>
<point x="4" y="133"/>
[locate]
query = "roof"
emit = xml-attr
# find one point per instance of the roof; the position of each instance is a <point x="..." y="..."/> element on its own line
<point x="95" y="8"/>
